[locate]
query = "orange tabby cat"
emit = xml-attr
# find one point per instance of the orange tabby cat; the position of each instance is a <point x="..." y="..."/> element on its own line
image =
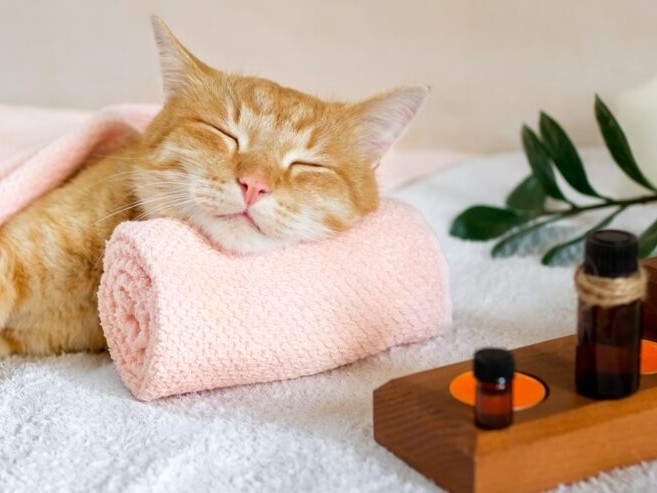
<point x="251" y="164"/>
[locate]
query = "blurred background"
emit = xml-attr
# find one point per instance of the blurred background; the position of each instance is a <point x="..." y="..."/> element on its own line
<point x="492" y="64"/>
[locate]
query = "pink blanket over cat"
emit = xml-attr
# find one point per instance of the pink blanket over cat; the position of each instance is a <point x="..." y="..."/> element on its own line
<point x="27" y="175"/>
<point x="181" y="316"/>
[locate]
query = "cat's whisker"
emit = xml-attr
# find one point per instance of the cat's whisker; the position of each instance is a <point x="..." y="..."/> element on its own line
<point x="159" y="187"/>
<point x="122" y="174"/>
<point x="138" y="203"/>
<point x="95" y="184"/>
<point x="113" y="157"/>
<point x="142" y="215"/>
<point x="122" y="209"/>
<point x="141" y="203"/>
<point x="162" y="207"/>
<point x="179" y="180"/>
<point x="154" y="212"/>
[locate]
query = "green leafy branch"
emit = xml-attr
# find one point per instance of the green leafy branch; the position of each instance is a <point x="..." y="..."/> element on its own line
<point x="526" y="211"/>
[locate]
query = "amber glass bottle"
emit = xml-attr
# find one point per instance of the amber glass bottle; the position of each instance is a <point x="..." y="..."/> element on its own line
<point x="493" y="370"/>
<point x="609" y="338"/>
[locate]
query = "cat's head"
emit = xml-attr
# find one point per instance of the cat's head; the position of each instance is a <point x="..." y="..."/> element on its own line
<point x="255" y="165"/>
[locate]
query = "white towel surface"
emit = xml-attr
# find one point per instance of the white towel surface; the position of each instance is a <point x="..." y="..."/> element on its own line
<point x="68" y="424"/>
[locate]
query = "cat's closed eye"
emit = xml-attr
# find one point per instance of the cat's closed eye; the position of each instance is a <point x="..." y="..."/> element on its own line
<point x="221" y="131"/>
<point x="310" y="165"/>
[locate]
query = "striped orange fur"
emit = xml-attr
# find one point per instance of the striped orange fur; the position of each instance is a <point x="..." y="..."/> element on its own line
<point x="251" y="164"/>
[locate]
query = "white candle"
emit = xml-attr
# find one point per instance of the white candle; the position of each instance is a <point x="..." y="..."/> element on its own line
<point x="637" y="115"/>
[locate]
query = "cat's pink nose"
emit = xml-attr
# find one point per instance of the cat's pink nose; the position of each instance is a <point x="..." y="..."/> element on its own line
<point x="253" y="188"/>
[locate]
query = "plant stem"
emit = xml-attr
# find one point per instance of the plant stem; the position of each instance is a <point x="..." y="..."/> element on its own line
<point x="574" y="209"/>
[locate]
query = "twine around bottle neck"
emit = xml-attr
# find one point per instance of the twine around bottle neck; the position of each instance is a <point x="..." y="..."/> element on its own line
<point x="610" y="291"/>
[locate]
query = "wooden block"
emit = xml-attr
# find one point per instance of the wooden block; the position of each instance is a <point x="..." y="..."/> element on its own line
<point x="566" y="438"/>
<point x="649" y="307"/>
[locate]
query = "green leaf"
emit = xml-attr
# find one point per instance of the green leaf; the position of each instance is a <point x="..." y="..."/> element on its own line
<point x="564" y="155"/>
<point x="558" y="254"/>
<point x="618" y="145"/>
<point x="648" y="241"/>
<point x="510" y="244"/>
<point x="482" y="222"/>
<point x="540" y="163"/>
<point x="527" y="196"/>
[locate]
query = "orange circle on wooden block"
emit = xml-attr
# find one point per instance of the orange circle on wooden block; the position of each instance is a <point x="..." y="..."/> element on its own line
<point x="527" y="391"/>
<point x="648" y="357"/>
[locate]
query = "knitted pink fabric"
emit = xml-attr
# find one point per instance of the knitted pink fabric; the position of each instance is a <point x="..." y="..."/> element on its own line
<point x="28" y="175"/>
<point x="181" y="316"/>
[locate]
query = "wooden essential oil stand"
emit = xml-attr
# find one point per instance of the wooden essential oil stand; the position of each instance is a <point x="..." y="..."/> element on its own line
<point x="565" y="438"/>
<point x="649" y="312"/>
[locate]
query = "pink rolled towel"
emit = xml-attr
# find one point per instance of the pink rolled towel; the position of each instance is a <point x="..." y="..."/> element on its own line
<point x="181" y="316"/>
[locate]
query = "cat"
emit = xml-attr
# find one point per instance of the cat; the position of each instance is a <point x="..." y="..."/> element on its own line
<point x="252" y="165"/>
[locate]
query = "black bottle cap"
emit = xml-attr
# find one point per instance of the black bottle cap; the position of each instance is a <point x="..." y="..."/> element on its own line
<point x="611" y="253"/>
<point x="492" y="364"/>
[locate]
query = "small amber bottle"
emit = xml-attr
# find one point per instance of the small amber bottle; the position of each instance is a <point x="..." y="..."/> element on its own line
<point x="609" y="334"/>
<point x="493" y="370"/>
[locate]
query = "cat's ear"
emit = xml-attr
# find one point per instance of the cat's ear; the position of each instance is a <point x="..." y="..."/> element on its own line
<point x="177" y="63"/>
<point x="382" y="119"/>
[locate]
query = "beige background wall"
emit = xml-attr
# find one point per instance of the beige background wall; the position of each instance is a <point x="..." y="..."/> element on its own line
<point x="492" y="63"/>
